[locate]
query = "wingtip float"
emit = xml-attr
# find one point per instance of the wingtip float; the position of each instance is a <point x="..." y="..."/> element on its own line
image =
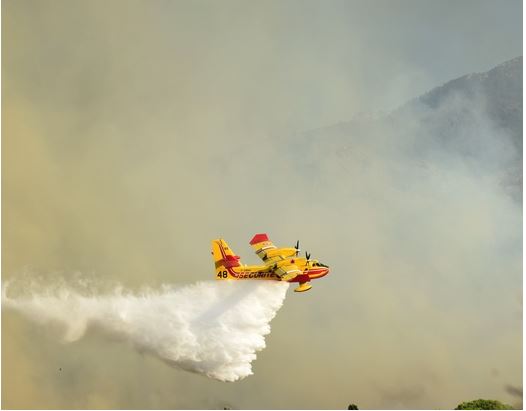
<point x="280" y="264"/>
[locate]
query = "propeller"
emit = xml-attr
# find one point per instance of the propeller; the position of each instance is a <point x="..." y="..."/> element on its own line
<point x="297" y="247"/>
<point x="307" y="255"/>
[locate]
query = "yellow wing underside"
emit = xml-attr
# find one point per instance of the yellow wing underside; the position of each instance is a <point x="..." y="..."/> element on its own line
<point x="266" y="250"/>
<point x="277" y="257"/>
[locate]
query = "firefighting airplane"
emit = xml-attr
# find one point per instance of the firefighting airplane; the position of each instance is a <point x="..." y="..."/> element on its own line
<point x="281" y="264"/>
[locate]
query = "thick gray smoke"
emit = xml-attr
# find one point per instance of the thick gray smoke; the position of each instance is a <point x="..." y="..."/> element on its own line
<point x="210" y="328"/>
<point x="132" y="137"/>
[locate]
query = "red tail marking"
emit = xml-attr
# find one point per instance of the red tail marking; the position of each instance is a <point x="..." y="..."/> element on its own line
<point x="231" y="261"/>
<point x="228" y="261"/>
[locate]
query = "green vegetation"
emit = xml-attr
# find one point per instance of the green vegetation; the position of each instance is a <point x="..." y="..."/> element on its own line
<point x="481" y="404"/>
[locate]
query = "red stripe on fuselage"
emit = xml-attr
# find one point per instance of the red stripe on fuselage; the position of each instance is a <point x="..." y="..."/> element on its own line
<point x="317" y="273"/>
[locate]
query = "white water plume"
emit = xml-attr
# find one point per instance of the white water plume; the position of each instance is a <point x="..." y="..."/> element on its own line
<point x="211" y="328"/>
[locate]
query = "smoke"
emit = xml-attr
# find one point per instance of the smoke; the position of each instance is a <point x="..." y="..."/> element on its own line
<point x="132" y="137"/>
<point x="210" y="328"/>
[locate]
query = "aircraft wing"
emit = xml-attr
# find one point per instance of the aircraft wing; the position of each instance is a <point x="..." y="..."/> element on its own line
<point x="265" y="249"/>
<point x="272" y="255"/>
<point x="288" y="271"/>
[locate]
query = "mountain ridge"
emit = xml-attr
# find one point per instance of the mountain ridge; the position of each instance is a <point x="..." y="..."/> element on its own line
<point x="477" y="117"/>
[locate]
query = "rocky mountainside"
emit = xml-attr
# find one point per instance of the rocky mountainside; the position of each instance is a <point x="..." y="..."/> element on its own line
<point x="496" y="94"/>
<point x="477" y="117"/>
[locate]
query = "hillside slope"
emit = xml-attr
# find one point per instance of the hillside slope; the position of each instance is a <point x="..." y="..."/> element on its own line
<point x="476" y="119"/>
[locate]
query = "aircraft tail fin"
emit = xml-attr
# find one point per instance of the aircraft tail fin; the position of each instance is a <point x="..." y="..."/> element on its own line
<point x="224" y="259"/>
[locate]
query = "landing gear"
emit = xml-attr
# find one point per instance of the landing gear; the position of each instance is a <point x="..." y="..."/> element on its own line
<point x="303" y="287"/>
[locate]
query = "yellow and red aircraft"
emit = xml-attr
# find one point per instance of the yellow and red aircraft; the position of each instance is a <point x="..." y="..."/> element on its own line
<point x="281" y="264"/>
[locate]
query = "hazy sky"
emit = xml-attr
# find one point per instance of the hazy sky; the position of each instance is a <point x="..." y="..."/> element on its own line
<point x="123" y="124"/>
<point x="321" y="61"/>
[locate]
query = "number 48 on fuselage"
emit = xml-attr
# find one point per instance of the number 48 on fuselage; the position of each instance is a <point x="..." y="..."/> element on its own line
<point x="280" y="264"/>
